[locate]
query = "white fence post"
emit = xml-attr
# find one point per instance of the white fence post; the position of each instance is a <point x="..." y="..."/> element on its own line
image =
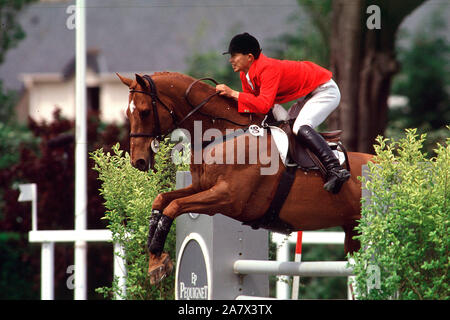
<point x="282" y="284"/>
<point x="80" y="290"/>
<point x="297" y="258"/>
<point x="120" y="269"/>
<point x="47" y="270"/>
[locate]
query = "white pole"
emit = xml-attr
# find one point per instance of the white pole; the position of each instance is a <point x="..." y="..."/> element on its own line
<point x="47" y="270"/>
<point x="351" y="283"/>
<point x="34" y="208"/>
<point x="120" y="268"/>
<point x="298" y="258"/>
<point x="303" y="269"/>
<point x="282" y="285"/>
<point x="80" y="292"/>
<point x="28" y="192"/>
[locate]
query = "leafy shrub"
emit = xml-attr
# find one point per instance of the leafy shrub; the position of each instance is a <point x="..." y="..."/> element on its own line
<point x="405" y="223"/>
<point x="128" y="195"/>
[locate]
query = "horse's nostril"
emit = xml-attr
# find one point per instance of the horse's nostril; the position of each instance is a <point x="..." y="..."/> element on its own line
<point x="141" y="164"/>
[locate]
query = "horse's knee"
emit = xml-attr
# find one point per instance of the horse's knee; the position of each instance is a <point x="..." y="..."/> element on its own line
<point x="158" y="203"/>
<point x="173" y="209"/>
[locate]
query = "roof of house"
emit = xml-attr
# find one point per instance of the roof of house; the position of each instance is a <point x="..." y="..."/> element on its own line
<point x="139" y="35"/>
<point x="143" y="35"/>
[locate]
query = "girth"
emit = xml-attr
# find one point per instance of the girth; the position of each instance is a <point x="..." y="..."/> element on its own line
<point x="271" y="219"/>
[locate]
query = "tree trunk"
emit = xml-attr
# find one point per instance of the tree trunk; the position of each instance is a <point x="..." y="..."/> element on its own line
<point x="363" y="63"/>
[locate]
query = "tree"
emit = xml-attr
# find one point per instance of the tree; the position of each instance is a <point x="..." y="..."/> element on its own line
<point x="10" y="30"/>
<point x="363" y="62"/>
<point x="425" y="82"/>
<point x="311" y="39"/>
<point x="10" y="34"/>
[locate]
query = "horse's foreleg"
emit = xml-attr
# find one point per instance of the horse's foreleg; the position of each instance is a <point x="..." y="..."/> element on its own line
<point x="159" y="264"/>
<point x="161" y="201"/>
<point x="210" y="201"/>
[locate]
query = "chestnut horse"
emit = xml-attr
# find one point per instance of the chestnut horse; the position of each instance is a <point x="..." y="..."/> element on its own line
<point x="157" y="105"/>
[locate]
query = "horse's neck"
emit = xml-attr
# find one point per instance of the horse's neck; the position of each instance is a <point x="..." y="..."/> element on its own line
<point x="213" y="114"/>
<point x="212" y="119"/>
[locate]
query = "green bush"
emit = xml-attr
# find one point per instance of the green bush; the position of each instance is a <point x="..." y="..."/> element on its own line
<point x="128" y="195"/>
<point x="405" y="225"/>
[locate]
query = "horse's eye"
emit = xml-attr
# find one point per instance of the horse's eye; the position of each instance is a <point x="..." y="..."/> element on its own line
<point x="144" y="113"/>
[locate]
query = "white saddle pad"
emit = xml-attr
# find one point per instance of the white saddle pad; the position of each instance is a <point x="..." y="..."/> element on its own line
<point x="282" y="142"/>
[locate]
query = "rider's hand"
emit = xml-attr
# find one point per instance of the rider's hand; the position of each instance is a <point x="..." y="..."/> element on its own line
<point x="224" y="90"/>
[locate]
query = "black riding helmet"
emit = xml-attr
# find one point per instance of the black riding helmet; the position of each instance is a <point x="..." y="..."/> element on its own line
<point x="244" y="43"/>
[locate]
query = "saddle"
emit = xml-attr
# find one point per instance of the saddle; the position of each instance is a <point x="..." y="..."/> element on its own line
<point x="298" y="156"/>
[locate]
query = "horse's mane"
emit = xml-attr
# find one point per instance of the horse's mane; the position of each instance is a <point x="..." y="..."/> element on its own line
<point x="183" y="77"/>
<point x="222" y="104"/>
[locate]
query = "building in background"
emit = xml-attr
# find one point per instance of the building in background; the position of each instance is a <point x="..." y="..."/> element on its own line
<point x="132" y="36"/>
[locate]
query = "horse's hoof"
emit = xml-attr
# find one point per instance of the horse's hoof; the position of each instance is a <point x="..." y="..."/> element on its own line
<point x="159" y="268"/>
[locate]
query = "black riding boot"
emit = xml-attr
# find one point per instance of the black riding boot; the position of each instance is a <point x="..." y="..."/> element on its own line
<point x="336" y="175"/>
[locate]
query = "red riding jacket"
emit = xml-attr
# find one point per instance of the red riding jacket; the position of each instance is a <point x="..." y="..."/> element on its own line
<point x="278" y="81"/>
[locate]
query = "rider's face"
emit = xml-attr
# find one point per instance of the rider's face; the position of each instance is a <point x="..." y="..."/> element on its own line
<point x="241" y="62"/>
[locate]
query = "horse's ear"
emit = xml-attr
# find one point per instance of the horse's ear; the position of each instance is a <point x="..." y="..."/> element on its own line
<point x="141" y="81"/>
<point x="125" y="80"/>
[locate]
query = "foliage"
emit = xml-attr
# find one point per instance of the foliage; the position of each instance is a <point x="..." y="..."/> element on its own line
<point x="311" y="40"/>
<point x="425" y="82"/>
<point x="10" y="30"/>
<point x="12" y="134"/>
<point x="209" y="64"/>
<point x="128" y="195"/>
<point x="405" y="224"/>
<point x="16" y="271"/>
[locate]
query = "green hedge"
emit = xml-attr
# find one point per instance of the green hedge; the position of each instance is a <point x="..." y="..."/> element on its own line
<point x="128" y="195"/>
<point x="404" y="230"/>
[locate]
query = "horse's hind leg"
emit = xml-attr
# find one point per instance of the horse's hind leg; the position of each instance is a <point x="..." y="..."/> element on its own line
<point x="351" y="245"/>
<point x="210" y="201"/>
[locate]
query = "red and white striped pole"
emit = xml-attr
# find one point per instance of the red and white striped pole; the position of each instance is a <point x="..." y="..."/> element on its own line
<point x="298" y="258"/>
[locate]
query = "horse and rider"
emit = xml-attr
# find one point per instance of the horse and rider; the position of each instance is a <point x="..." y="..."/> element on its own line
<point x="266" y="81"/>
<point x="160" y="103"/>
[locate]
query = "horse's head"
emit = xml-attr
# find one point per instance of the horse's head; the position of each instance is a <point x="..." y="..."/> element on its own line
<point x="146" y="122"/>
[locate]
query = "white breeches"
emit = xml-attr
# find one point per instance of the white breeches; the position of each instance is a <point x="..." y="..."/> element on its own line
<point x="325" y="98"/>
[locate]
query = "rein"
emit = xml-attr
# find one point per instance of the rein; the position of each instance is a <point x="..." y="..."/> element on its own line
<point x="154" y="96"/>
<point x="186" y="96"/>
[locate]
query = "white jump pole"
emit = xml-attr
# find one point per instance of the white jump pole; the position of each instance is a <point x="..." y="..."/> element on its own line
<point x="80" y="290"/>
<point x="303" y="269"/>
<point x="297" y="258"/>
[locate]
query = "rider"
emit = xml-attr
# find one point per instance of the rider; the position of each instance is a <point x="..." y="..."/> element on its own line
<point x="266" y="81"/>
